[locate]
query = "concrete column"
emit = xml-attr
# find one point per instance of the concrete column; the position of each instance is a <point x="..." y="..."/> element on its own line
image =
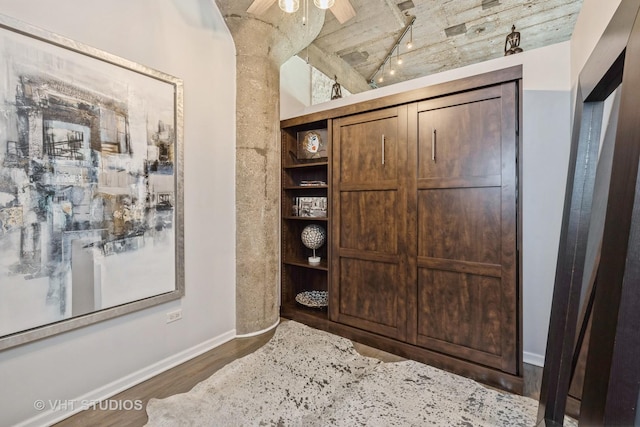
<point x="263" y="44"/>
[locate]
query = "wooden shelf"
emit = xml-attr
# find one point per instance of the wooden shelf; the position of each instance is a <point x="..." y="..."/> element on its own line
<point x="307" y="218"/>
<point x="306" y="165"/>
<point x="305" y="264"/>
<point x="307" y="315"/>
<point x="305" y="187"/>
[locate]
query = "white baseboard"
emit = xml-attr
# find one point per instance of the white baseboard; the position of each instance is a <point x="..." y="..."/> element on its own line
<point x="51" y="416"/>
<point x="253" y="334"/>
<point x="533" y="359"/>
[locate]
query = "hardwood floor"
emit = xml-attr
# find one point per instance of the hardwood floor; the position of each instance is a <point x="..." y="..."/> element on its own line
<point x="180" y="379"/>
<point x="184" y="377"/>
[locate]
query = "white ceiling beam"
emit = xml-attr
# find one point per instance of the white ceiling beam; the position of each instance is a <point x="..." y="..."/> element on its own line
<point x="343" y="10"/>
<point x="333" y="65"/>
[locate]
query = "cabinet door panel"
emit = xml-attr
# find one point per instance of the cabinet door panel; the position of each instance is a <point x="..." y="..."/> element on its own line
<point x="368" y="266"/>
<point x="460" y="223"/>
<point x="361" y="213"/>
<point x="369" y="293"/>
<point x="465" y="260"/>
<point x="368" y="153"/>
<point x="466" y="142"/>
<point x="461" y="314"/>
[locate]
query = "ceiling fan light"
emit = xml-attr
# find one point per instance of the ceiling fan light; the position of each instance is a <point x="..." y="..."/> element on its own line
<point x="289" y="6"/>
<point x="324" y="4"/>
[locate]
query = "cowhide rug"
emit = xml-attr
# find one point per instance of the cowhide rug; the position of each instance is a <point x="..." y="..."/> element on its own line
<point x="306" y="377"/>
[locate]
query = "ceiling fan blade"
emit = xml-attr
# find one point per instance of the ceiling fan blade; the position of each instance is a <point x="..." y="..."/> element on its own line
<point x="258" y="7"/>
<point x="343" y="10"/>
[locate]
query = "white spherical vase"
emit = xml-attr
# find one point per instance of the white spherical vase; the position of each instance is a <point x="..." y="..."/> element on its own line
<point x="313" y="237"/>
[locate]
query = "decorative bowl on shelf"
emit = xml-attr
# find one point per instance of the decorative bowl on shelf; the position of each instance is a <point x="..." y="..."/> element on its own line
<point x="314" y="299"/>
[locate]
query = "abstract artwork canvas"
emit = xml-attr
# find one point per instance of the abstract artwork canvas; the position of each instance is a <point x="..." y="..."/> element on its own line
<point x="312" y="144"/>
<point x="90" y="184"/>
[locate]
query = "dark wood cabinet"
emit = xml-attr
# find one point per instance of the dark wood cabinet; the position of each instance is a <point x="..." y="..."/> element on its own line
<point x="369" y="198"/>
<point x="466" y="226"/>
<point x="424" y="237"/>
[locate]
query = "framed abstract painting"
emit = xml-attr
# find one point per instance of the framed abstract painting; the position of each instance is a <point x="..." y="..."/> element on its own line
<point x="91" y="187"/>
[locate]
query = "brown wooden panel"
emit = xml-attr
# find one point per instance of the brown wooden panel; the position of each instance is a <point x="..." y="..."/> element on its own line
<point x="412" y="226"/>
<point x="460" y="223"/>
<point x="493" y="270"/>
<point x="511" y="286"/>
<point x="460" y="314"/>
<point x="369" y="292"/>
<point x="466" y="142"/>
<point x="361" y="151"/>
<point x="391" y="184"/>
<point x="460" y="182"/>
<point x="460" y="98"/>
<point x="370" y="256"/>
<point x="365" y="224"/>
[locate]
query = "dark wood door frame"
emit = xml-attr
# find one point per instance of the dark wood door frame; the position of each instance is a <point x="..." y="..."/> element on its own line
<point x="612" y="382"/>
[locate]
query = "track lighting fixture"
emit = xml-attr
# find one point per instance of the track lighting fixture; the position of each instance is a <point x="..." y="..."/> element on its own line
<point x="395" y="48"/>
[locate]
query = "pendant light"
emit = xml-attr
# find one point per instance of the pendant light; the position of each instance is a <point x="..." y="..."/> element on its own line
<point x="324" y="4"/>
<point x="410" y="42"/>
<point x="289" y="6"/>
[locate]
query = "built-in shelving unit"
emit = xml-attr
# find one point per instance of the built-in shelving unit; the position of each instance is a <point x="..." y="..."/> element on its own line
<point x="304" y="178"/>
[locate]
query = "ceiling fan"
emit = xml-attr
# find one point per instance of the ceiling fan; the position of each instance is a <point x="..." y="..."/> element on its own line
<point x="341" y="9"/>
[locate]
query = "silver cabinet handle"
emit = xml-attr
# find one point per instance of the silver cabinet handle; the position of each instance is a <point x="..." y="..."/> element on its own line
<point x="383" y="149"/>
<point x="433" y="145"/>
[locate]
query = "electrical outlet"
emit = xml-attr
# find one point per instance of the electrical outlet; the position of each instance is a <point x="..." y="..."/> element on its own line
<point x="172" y="316"/>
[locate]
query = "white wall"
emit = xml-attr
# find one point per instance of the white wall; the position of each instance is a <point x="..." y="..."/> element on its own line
<point x="546" y="137"/>
<point x="593" y="19"/>
<point x="295" y="86"/>
<point x="188" y="39"/>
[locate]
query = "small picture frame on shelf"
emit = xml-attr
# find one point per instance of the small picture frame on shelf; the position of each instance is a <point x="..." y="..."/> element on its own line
<point x="315" y="207"/>
<point x="312" y="144"/>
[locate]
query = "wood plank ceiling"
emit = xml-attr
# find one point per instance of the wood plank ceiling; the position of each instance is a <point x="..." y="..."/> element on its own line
<point x="447" y="34"/>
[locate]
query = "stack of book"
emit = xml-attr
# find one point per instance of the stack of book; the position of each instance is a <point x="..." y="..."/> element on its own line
<point x="305" y="183"/>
